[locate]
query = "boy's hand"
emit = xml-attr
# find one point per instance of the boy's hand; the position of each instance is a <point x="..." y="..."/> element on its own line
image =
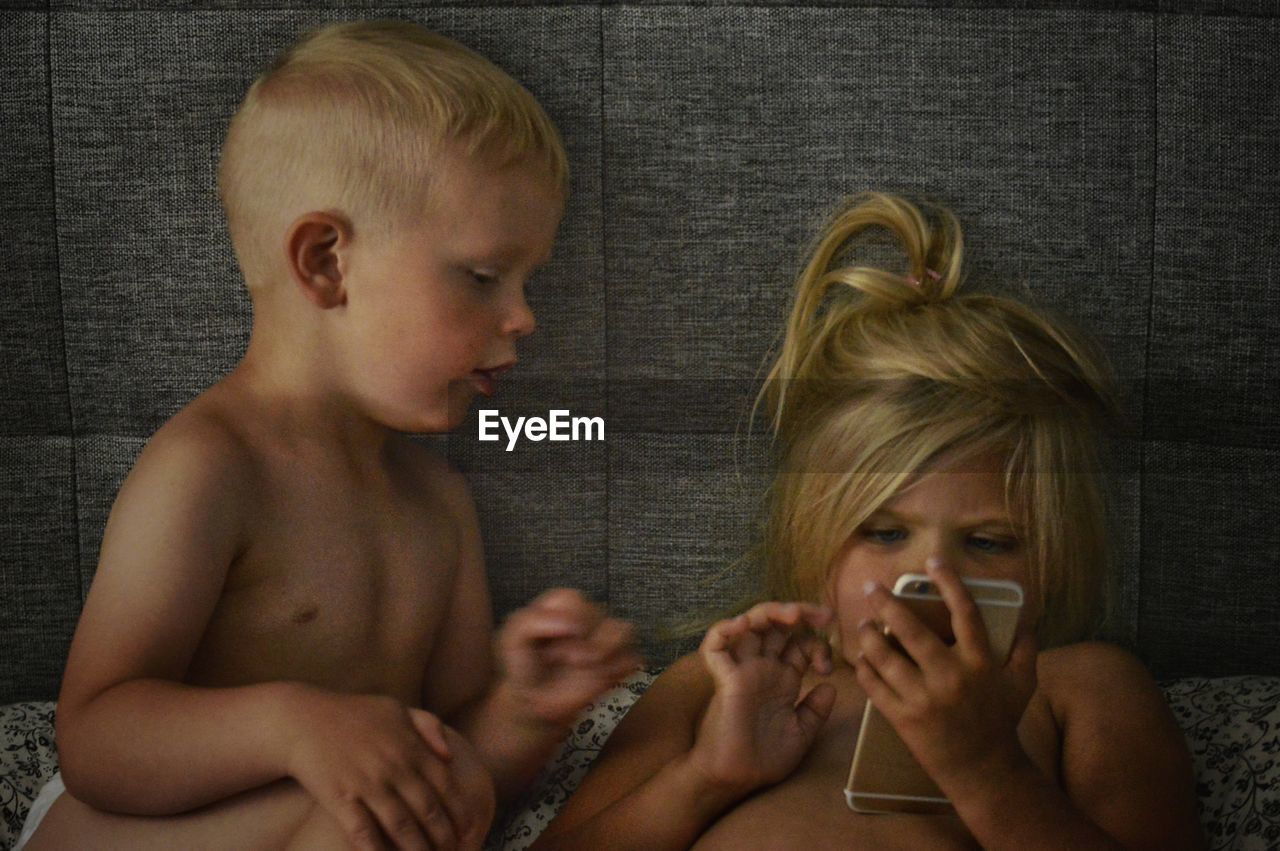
<point x="390" y="773"/>
<point x="559" y="653"/>
<point x="956" y="708"/>
<point x="757" y="727"/>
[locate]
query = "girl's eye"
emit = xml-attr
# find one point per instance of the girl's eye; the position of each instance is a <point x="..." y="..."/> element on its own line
<point x="984" y="544"/>
<point x="884" y="536"/>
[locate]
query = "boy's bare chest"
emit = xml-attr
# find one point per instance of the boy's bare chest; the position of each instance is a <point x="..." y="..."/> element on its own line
<point x="341" y="586"/>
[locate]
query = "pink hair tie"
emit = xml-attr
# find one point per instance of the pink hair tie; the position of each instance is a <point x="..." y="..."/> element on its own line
<point x="915" y="282"/>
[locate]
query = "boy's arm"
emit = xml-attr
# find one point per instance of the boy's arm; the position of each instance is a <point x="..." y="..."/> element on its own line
<point x="175" y="528"/>
<point x="513" y="733"/>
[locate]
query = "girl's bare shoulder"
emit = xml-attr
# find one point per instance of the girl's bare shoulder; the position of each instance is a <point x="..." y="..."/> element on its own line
<point x="1124" y="759"/>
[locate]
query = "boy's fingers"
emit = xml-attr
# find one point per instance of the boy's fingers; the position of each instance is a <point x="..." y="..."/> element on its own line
<point x="526" y="625"/>
<point x="430" y="814"/>
<point x="449" y="798"/>
<point x="611" y="635"/>
<point x="432" y="731"/>
<point x="359" y="826"/>
<point x="396" y="822"/>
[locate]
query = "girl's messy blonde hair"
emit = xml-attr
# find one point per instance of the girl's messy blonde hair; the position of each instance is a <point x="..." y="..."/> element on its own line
<point x="881" y="371"/>
<point x="356" y="117"/>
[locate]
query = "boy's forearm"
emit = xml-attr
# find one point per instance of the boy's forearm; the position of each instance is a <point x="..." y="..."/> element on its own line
<point x="1015" y="807"/>
<point x="155" y="747"/>
<point x="513" y="745"/>
<point x="668" y="812"/>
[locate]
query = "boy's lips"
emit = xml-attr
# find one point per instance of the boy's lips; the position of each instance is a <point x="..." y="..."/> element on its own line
<point x="486" y="380"/>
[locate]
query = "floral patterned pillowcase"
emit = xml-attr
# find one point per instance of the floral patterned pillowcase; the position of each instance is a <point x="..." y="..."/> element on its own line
<point x="1232" y="727"/>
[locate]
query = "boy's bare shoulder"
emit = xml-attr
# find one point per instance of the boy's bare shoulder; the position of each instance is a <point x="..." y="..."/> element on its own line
<point x="432" y="475"/>
<point x="207" y="445"/>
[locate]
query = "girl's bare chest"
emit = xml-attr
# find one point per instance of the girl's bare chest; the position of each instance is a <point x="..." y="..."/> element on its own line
<point x="808" y="810"/>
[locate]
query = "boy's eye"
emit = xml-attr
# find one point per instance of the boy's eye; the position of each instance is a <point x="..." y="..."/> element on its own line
<point x="884" y="536"/>
<point x="482" y="277"/>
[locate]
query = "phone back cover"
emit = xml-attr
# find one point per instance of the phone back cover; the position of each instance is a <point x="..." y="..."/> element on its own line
<point x="884" y="777"/>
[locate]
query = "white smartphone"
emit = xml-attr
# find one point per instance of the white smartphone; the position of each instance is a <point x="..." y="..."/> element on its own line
<point x="884" y="777"/>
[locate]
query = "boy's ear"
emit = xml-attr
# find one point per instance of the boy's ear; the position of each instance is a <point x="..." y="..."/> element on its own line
<point x="315" y="251"/>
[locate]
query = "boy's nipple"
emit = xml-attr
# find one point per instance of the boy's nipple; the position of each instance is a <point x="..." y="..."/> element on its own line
<point x="305" y="615"/>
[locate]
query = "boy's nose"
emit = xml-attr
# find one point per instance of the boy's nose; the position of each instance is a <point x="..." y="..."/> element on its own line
<point x="519" y="321"/>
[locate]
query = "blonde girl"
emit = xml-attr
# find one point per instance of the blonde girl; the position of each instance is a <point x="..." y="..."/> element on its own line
<point x="921" y="429"/>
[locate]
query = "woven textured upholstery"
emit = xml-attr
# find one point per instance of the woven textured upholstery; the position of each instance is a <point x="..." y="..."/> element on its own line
<point x="1115" y="160"/>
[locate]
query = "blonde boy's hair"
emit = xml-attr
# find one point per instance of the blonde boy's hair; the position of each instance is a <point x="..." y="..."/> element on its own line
<point x="355" y="119"/>
<point x="880" y="372"/>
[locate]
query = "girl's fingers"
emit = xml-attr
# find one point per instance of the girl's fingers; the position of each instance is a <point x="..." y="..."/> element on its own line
<point x="794" y="656"/>
<point x="775" y="642"/>
<point x="813" y="710"/>
<point x="818" y="652"/>
<point x="898" y="672"/>
<point x="879" y="692"/>
<point x="1022" y="662"/>
<point x="920" y="642"/>
<point x="747" y="646"/>
<point x="768" y="629"/>
<point x="966" y="618"/>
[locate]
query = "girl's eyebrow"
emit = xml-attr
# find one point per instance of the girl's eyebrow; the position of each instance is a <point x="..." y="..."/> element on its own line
<point x="980" y="521"/>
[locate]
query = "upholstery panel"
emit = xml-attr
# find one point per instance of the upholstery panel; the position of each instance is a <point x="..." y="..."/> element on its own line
<point x="1215" y="369"/>
<point x="683" y="508"/>
<point x="33" y="389"/>
<point x="1211" y="547"/>
<point x="41" y="598"/>
<point x="731" y="130"/>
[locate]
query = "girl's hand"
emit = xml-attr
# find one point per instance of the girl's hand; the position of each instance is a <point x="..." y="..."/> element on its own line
<point x="559" y="653"/>
<point x="757" y="728"/>
<point x="957" y="708"/>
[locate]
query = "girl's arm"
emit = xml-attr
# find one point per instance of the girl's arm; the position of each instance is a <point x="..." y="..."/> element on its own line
<point x="1125" y="766"/>
<point x="1125" y="774"/>
<point x="713" y="728"/>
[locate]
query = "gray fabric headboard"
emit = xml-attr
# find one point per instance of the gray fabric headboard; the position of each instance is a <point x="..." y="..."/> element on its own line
<point x="1115" y="159"/>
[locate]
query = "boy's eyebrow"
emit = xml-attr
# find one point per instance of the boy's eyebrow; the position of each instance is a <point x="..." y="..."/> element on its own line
<point x="505" y="254"/>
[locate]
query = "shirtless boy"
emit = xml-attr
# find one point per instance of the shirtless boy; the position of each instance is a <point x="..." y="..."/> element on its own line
<point x="291" y="602"/>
